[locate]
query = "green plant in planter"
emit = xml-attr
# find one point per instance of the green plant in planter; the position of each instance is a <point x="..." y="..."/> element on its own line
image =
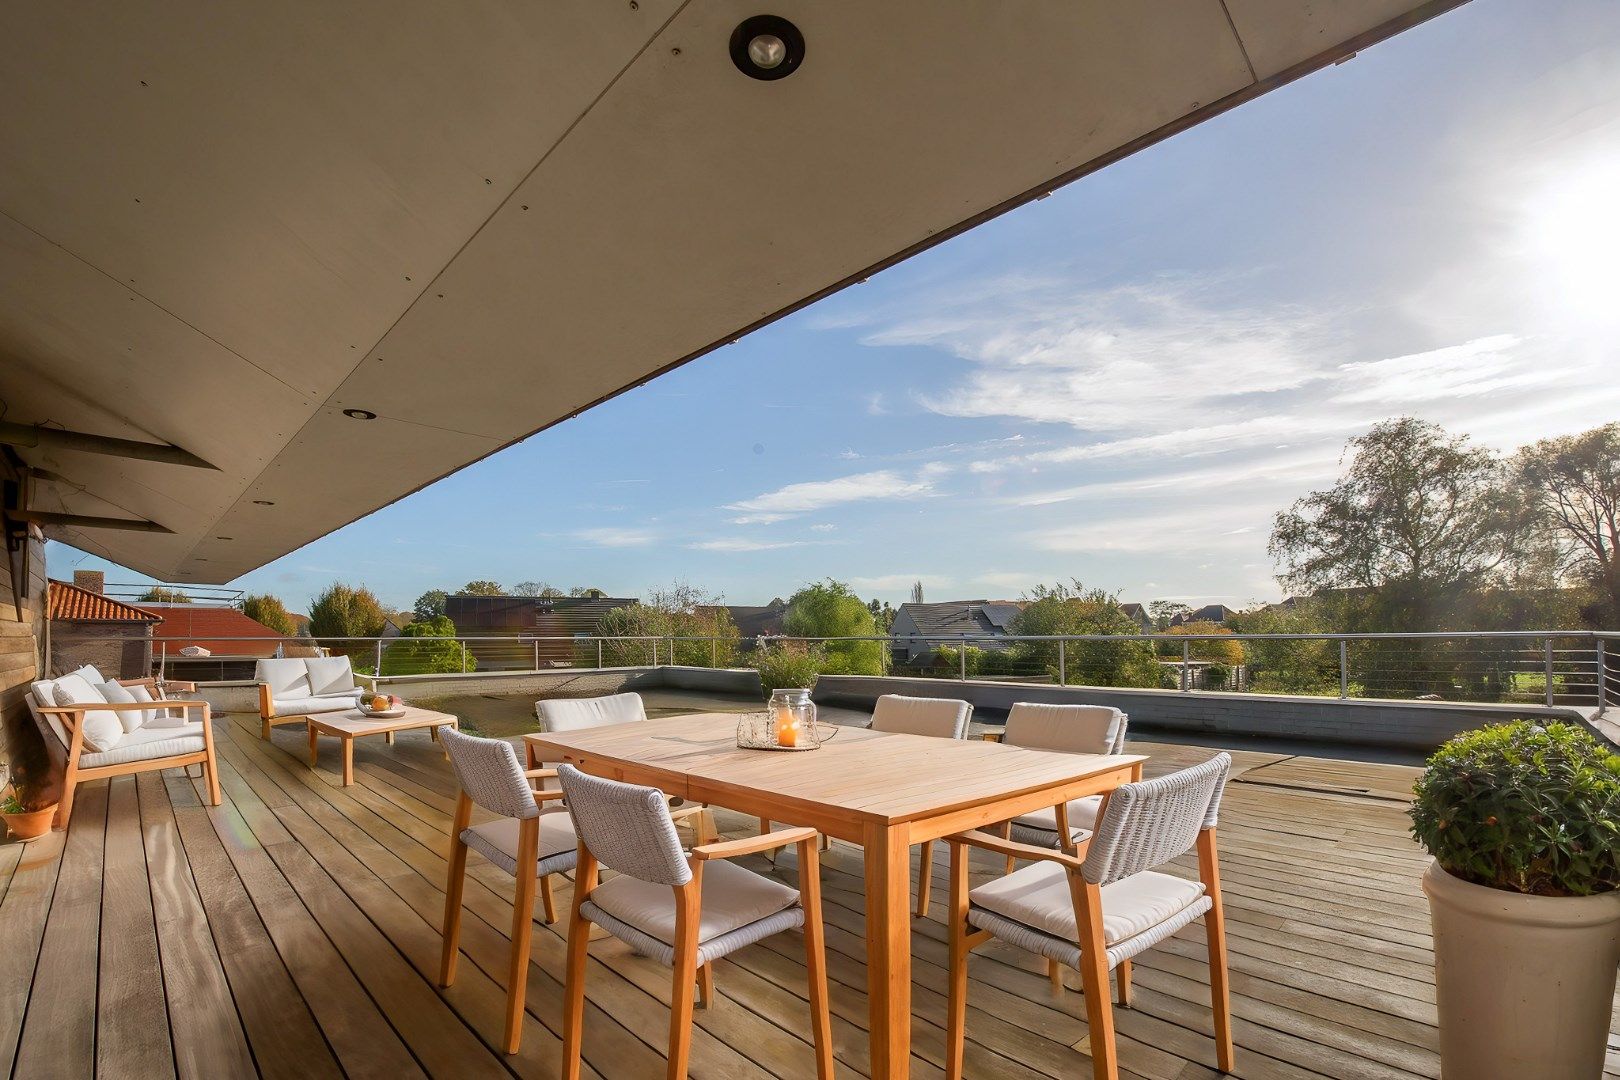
<point x="788" y="664"/>
<point x="1524" y="807"/>
<point x="12" y="805"/>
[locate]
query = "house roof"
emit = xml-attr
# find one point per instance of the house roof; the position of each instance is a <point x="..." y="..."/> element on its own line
<point x="213" y="628"/>
<point x="950" y="618"/>
<point x="71" y="603"/>
<point x="754" y="620"/>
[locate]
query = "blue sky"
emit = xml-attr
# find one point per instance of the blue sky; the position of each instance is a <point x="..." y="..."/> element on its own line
<point x="1121" y="382"/>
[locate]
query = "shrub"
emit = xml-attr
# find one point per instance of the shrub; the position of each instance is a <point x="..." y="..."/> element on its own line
<point x="788" y="664"/>
<point x="1524" y="808"/>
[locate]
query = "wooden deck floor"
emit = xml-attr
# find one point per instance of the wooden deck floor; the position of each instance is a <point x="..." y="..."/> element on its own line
<point x="293" y="931"/>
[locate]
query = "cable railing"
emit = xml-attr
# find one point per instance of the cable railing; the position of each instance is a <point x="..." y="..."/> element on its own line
<point x="1542" y="667"/>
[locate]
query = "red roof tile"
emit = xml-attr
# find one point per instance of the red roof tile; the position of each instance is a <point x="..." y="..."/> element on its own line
<point x="69" y="602"/>
<point x="212" y="628"/>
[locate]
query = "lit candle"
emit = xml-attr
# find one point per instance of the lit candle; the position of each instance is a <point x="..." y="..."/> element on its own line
<point x="787" y="726"/>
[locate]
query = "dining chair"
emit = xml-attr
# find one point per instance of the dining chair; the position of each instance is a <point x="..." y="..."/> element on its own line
<point x="527" y="840"/>
<point x="1097" y="912"/>
<point x="940" y="718"/>
<point x="575" y="714"/>
<point x="1066" y="729"/>
<point x="685" y="910"/>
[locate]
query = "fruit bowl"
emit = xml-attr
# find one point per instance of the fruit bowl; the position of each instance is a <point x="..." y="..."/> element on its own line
<point x="381" y="707"/>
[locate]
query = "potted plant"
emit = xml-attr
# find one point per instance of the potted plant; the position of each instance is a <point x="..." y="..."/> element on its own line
<point x="1523" y="821"/>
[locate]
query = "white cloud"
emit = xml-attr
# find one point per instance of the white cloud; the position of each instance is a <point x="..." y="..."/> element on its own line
<point x="760" y="519"/>
<point x="740" y="544"/>
<point x="823" y="527"/>
<point x="616" y="537"/>
<point x="1482" y="366"/>
<point x="819" y="494"/>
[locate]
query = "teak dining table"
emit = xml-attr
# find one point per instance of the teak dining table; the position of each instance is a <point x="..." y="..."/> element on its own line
<point x="883" y="791"/>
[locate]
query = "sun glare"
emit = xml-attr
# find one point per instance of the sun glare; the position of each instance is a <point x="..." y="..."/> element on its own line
<point x="1574" y="225"/>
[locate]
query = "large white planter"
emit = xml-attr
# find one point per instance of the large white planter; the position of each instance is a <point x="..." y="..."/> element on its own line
<point x="1525" y="983"/>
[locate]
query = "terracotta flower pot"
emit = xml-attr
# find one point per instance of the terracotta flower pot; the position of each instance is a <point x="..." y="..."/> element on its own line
<point x="31" y="824"/>
<point x="1524" y="983"/>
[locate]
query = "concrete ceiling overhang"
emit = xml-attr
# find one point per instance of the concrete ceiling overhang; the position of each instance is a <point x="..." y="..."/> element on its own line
<point x="223" y="224"/>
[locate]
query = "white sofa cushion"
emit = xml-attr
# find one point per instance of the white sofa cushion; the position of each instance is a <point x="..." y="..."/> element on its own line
<point x="102" y="728"/>
<point x="732" y="898"/>
<point x="571" y="714"/>
<point x="1038" y="896"/>
<point x="303" y="706"/>
<point x="131" y="719"/>
<point x="329" y="675"/>
<point x="43" y="694"/>
<point x="141" y="693"/>
<point x="90" y="674"/>
<point x="286" y="678"/>
<point x="149" y="744"/>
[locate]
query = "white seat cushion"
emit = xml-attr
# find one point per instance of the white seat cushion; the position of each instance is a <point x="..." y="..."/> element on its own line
<point x="328" y="675"/>
<point x="130" y="719"/>
<point x="150" y="744"/>
<point x="1038" y="896"/>
<point x="91" y="674"/>
<point x="942" y="718"/>
<point x="286" y="678"/>
<point x="732" y="898"/>
<point x="1082" y="815"/>
<point x="102" y="728"/>
<point x="571" y="714"/>
<point x="1069" y="729"/>
<point x="497" y="840"/>
<point x="303" y="706"/>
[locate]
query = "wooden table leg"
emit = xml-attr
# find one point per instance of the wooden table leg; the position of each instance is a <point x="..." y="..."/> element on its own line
<point x="388" y="737"/>
<point x="348" y="761"/>
<point x="888" y="949"/>
<point x="314" y="754"/>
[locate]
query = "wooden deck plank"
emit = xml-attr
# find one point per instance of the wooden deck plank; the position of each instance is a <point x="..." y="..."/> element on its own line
<point x="132" y="1025"/>
<point x="207" y="1033"/>
<point x="58" y="1032"/>
<point x="22" y="927"/>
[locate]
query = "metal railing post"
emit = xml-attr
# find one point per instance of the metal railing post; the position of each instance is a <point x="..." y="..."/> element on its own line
<point x="714" y="652"/>
<point x="465" y="652"/>
<point x="1548" y="669"/>
<point x="1186" y="659"/>
<point x="599" y="654"/>
<point x="655" y="652"/>
<point x="1344" y="668"/>
<point x="1602" y="677"/>
<point x="537" y="654"/>
<point x="378" y="668"/>
<point x="1063" y="664"/>
<point x="962" y="658"/>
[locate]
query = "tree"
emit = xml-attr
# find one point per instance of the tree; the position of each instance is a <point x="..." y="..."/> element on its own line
<point x="416" y="652"/>
<point x="693" y="623"/>
<point x="1289" y="665"/>
<point x="1229" y="653"/>
<point x="1164" y="611"/>
<point x="916" y="592"/>
<point x="482" y="587"/>
<point x="1573" y="485"/>
<point x="268" y="610"/>
<point x="882" y="615"/>
<point x="1417" y="521"/>
<point x="828" y="609"/>
<point x="346" y="612"/>
<point x="159" y="594"/>
<point x="587" y="592"/>
<point x="430" y="605"/>
<point x="1061" y="610"/>
<point x="528" y="588"/>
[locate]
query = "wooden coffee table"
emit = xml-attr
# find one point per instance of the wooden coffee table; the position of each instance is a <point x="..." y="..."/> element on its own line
<point x="352" y="724"/>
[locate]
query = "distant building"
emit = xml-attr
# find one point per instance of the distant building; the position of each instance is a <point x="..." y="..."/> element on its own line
<point x="544" y="627"/>
<point x="88" y="627"/>
<point x="754" y="622"/>
<point x="233" y="642"/>
<point x="917" y="627"/>
<point x="1138" y="615"/>
<point x="1215" y="613"/>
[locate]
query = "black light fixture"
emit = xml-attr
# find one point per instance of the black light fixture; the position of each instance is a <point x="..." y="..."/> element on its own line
<point x="767" y="47"/>
<point x="359" y="414"/>
<point x="264" y="502"/>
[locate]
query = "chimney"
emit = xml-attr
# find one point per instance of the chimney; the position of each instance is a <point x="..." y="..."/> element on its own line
<point x="90" y="581"/>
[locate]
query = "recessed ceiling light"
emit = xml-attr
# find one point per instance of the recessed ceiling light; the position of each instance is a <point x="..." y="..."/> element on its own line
<point x="767" y="47"/>
<point x="359" y="414"/>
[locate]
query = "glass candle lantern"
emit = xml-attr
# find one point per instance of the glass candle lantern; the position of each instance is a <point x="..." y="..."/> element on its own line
<point x="794" y="716"/>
